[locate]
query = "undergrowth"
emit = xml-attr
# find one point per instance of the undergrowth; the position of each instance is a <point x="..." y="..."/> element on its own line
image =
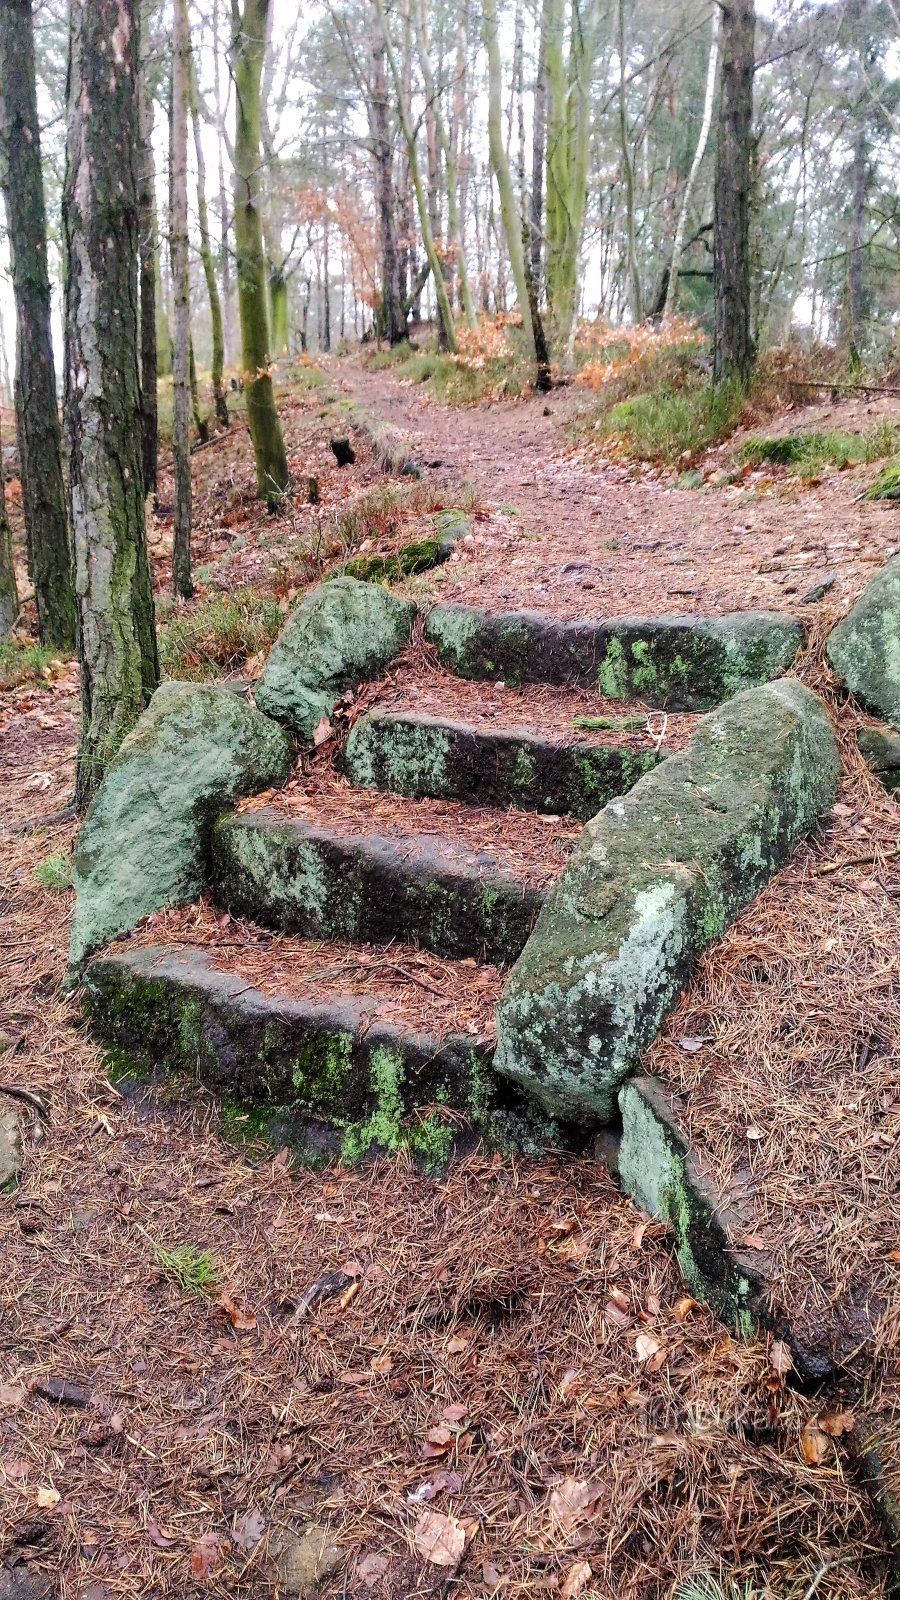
<point x="808" y="454"/>
<point x="218" y="636"/>
<point x="194" y="1271"/>
<point x="22" y="661"/>
<point x="666" y="425"/>
<point x="887" y="484"/>
<point x="55" y="873"/>
<point x="489" y="363"/>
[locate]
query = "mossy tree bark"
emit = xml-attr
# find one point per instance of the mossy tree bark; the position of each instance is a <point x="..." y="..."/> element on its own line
<point x="148" y="270"/>
<point x="209" y="267"/>
<point x="115" y="635"/>
<point x="733" y="351"/>
<point x="532" y="327"/>
<point x="248" y="50"/>
<point x="181" y="282"/>
<point x="37" y="415"/>
<point x="9" y="597"/>
<point x="567" y="91"/>
<point x="456" y="241"/>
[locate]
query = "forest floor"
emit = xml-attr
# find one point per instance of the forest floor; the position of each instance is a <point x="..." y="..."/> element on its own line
<point x="513" y="1365"/>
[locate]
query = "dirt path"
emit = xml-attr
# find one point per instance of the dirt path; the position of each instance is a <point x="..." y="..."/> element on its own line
<point x="601" y="539"/>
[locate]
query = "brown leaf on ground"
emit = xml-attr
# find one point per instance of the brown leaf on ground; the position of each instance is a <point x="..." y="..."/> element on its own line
<point x="572" y="1500"/>
<point x="836" y="1423"/>
<point x="242" y="1321"/>
<point x="371" y="1568"/>
<point x="207" y="1553"/>
<point x="441" y="1540"/>
<point x="576" y="1580"/>
<point x="249" y="1529"/>
<point x="646" y="1347"/>
<point x="815" y="1444"/>
<point x="780" y="1357"/>
<point x="12" y="1394"/>
<point x="163" y="1541"/>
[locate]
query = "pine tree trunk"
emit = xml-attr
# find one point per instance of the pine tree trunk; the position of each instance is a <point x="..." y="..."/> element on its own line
<point x="148" y="269"/>
<point x="209" y="267"/>
<point x="538" y="152"/>
<point x="40" y="436"/>
<point x="709" y="97"/>
<point x="635" y="298"/>
<point x="733" y="347"/>
<point x="182" y="584"/>
<point x="858" y="194"/>
<point x="9" y="598"/>
<point x="455" y="240"/>
<point x="116" y="637"/>
<point x="248" y="48"/>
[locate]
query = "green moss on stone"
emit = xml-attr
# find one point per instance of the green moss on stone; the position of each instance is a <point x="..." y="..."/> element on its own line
<point x="321" y="1069"/>
<point x="612" y="679"/>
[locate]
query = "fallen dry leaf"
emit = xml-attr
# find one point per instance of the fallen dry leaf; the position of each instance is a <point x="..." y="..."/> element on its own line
<point x="441" y="1540"/>
<point x="780" y="1357"/>
<point x="155" y="1534"/>
<point x="685" y="1306"/>
<point x="242" y="1321"/>
<point x="576" y="1580"/>
<point x="12" y="1394"/>
<point x="370" y="1569"/>
<point x="836" y="1423"/>
<point x="47" y="1498"/>
<point x="814" y="1443"/>
<point x="249" y="1529"/>
<point x="572" y="1500"/>
<point x="645" y="1346"/>
<point x="207" y="1553"/>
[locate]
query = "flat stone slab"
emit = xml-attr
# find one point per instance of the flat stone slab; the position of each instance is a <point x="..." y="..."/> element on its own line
<point x="655" y="878"/>
<point x="864" y="648"/>
<point x="345" y="1083"/>
<point x="417" y="755"/>
<point x="341" y="634"/>
<point x="144" y="842"/>
<point x="289" y="874"/>
<point x="678" y="663"/>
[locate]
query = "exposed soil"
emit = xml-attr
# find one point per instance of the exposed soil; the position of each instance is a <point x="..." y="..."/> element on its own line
<point x="578" y="538"/>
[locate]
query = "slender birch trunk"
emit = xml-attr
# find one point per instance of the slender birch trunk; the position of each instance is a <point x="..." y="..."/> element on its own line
<point x="115" y="635"/>
<point x="635" y="301"/>
<point x="455" y="241"/>
<point x="220" y="403"/>
<point x="681" y="226"/>
<point x="448" y="332"/>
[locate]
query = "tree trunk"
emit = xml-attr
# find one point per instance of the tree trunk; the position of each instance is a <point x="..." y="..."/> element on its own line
<point x="635" y="302"/>
<point x="9" y="598"/>
<point x="532" y="327"/>
<point x="678" y="241"/>
<point x="115" y="634"/>
<point x="40" y="437"/>
<point x="181" y="283"/>
<point x="248" y="48"/>
<point x="147" y="248"/>
<point x="455" y="241"/>
<point x="859" y="182"/>
<point x="392" y="318"/>
<point x="224" y="253"/>
<point x="568" y="129"/>
<point x="209" y="267"/>
<point x="448" y="332"/>
<point x="733" y="347"/>
<point x="538" y="152"/>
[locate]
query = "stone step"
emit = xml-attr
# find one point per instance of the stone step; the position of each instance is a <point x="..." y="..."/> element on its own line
<point x="340" y="1075"/>
<point x="413" y="754"/>
<point x="327" y="881"/>
<point x="677" y="662"/>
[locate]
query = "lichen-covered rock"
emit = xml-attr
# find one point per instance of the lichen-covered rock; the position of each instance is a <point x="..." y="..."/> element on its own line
<point x="880" y="748"/>
<point x="144" y="842"/>
<point x="682" y="663"/>
<point x="338" y="636"/>
<point x="864" y="649"/>
<point x="655" y="878"/>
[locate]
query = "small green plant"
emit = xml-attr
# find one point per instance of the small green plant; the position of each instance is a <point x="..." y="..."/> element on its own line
<point x="706" y="1587"/>
<point x="808" y="454"/>
<point x="21" y="662"/>
<point x="887" y="485"/>
<point x="55" y="873"/>
<point x="666" y="424"/>
<point x="219" y="635"/>
<point x="193" y="1270"/>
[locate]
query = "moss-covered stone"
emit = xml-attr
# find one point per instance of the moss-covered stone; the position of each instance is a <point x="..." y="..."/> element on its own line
<point x="864" y="649"/>
<point x="426" y="756"/>
<point x="418" y="556"/>
<point x="323" y="1074"/>
<point x="682" y="663"/>
<point x="144" y="842"/>
<point x="339" y="635"/>
<point x="290" y="874"/>
<point x="655" y="877"/>
<point x="880" y="748"/>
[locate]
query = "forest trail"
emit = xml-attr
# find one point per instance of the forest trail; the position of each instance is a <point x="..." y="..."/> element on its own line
<point x="604" y="538"/>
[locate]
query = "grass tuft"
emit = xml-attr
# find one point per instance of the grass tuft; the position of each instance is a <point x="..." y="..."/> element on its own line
<point x="55" y="873"/>
<point x="808" y="454"/>
<point x="218" y="636"/>
<point x="23" y="662"/>
<point x="194" y="1271"/>
<point x="887" y="485"/>
<point x="664" y="425"/>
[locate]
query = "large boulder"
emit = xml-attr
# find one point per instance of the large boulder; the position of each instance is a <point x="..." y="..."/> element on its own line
<point x="144" y="842"/>
<point x="864" y="649"/>
<point x="339" y="635"/>
<point x="655" y="878"/>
